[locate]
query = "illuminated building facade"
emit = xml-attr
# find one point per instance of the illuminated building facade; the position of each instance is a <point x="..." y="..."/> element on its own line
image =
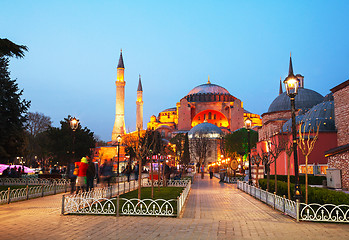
<point x="207" y="102"/>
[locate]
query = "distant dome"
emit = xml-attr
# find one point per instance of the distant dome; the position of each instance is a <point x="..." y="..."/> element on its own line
<point x="305" y="99"/>
<point x="174" y="109"/>
<point x="205" y="129"/>
<point x="209" y="88"/>
<point x="153" y="118"/>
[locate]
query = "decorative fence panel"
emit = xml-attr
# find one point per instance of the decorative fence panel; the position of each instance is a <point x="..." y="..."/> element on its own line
<point x="299" y="211"/>
<point x="102" y="202"/>
<point x="31" y="181"/>
<point x="13" y="195"/>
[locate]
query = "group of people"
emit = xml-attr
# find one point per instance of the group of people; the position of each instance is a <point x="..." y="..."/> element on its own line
<point x="13" y="172"/>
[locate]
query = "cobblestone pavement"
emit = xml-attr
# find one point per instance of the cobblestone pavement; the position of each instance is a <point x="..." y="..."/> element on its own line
<point x="213" y="211"/>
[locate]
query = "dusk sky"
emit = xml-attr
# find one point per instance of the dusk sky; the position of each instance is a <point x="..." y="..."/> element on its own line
<point x="244" y="46"/>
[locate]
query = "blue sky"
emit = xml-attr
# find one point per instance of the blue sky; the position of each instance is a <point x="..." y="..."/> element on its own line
<point x="244" y="46"/>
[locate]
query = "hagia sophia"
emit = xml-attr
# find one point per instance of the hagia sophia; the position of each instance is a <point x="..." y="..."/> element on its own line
<point x="211" y="109"/>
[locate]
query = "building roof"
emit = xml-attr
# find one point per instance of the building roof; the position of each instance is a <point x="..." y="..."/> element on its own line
<point x="305" y="99"/>
<point x="208" y="88"/>
<point x="206" y="130"/>
<point x="174" y="109"/>
<point x="340" y="86"/>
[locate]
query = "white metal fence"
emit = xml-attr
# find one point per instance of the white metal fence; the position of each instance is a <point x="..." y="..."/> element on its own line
<point x="32" y="181"/>
<point x="229" y="179"/>
<point x="102" y="202"/>
<point x="299" y="211"/>
<point x="13" y="195"/>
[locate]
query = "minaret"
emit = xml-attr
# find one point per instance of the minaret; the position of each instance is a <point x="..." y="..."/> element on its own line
<point x="119" y="125"/>
<point x="139" y="112"/>
<point x="280" y="89"/>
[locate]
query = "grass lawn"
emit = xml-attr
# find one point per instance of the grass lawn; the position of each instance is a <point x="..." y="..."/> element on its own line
<point x="164" y="193"/>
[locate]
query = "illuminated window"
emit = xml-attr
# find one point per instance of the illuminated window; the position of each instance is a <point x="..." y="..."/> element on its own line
<point x="199" y="118"/>
<point x="214" y="116"/>
<point x="204" y="116"/>
<point x="209" y="115"/>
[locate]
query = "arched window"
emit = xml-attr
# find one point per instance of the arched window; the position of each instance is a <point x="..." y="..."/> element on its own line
<point x="209" y="115"/>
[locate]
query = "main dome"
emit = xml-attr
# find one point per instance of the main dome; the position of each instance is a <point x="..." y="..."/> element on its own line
<point x="305" y="99"/>
<point x="208" y="88"/>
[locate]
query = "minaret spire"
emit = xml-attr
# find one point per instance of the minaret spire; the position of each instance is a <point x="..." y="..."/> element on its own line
<point x="139" y="103"/>
<point x="119" y="124"/>
<point x="290" y="68"/>
<point x="280" y="89"/>
<point x="208" y="81"/>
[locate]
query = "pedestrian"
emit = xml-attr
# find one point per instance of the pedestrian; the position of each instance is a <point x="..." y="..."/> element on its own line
<point x="167" y="173"/>
<point x="106" y="171"/>
<point x="128" y="171"/>
<point x="211" y="171"/>
<point x="90" y="174"/>
<point x="136" y="171"/>
<point x="202" y="171"/>
<point x="81" y="179"/>
<point x="70" y="175"/>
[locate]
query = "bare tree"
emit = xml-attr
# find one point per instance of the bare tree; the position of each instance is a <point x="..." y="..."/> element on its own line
<point x="143" y="144"/>
<point x="306" y="143"/>
<point x="37" y="123"/>
<point x="276" y="147"/>
<point x="199" y="148"/>
<point x="257" y="159"/>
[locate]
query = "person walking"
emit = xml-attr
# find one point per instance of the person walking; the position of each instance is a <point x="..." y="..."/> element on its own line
<point x="128" y="171"/>
<point x="136" y="171"/>
<point x="90" y="174"/>
<point x="106" y="171"/>
<point x="81" y="179"/>
<point x="211" y="171"/>
<point x="70" y="175"/>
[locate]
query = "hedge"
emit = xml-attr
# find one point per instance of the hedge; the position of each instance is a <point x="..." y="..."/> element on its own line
<point x="315" y="195"/>
<point x="312" y="180"/>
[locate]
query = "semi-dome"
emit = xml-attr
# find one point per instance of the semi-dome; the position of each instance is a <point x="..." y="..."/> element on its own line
<point x="305" y="99"/>
<point x="206" y="130"/>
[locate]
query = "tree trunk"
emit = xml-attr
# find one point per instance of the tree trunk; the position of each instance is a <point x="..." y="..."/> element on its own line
<point x="152" y="179"/>
<point x="159" y="173"/>
<point x="257" y="176"/>
<point x="140" y="178"/>
<point x="306" y="179"/>
<point x="268" y="177"/>
<point x="276" y="177"/>
<point x="288" y="178"/>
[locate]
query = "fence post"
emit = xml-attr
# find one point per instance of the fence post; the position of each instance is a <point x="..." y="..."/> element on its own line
<point x="42" y="190"/>
<point x="284" y="202"/>
<point x="266" y="196"/>
<point x="65" y="186"/>
<point x="111" y="191"/>
<point x="117" y="205"/>
<point x="297" y="210"/>
<point x="274" y="199"/>
<point x="63" y="199"/>
<point x="8" y="195"/>
<point x="26" y="193"/>
<point x="54" y="188"/>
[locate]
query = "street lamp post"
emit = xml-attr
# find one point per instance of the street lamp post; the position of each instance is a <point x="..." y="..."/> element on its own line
<point x="248" y="125"/>
<point x="291" y="85"/>
<point x="74" y="123"/>
<point x="118" y="141"/>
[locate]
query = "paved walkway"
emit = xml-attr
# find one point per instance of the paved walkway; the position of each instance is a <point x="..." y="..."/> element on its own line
<point x="213" y="211"/>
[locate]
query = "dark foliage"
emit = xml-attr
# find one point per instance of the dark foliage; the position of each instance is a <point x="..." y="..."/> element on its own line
<point x="13" y="111"/>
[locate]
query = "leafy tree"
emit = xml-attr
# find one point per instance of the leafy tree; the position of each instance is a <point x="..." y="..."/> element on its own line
<point x="12" y="115"/>
<point x="236" y="142"/>
<point x="185" y="160"/>
<point x="60" y="142"/>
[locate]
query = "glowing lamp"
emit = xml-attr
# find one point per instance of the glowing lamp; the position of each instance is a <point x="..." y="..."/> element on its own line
<point x="248" y="123"/>
<point x="291" y="85"/>
<point x="74" y="123"/>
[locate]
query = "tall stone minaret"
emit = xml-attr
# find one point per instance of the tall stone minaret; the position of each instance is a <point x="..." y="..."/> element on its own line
<point x="139" y="113"/>
<point x="119" y="125"/>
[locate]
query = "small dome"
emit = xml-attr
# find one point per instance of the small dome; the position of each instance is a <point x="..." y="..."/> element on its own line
<point x="287" y="127"/>
<point x="208" y="88"/>
<point x="305" y="99"/>
<point x="205" y="129"/>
